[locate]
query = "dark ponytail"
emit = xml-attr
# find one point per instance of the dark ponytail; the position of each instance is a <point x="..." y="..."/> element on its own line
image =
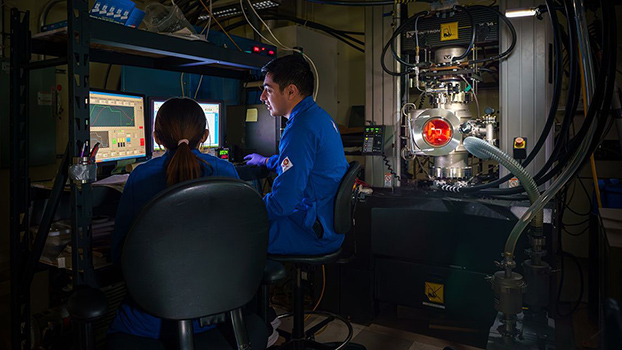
<point x="180" y="126"/>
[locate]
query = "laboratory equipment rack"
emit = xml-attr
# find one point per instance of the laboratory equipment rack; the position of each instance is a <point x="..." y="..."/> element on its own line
<point x="84" y="40"/>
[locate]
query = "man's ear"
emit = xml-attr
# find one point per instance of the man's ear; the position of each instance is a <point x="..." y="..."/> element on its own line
<point x="292" y="91"/>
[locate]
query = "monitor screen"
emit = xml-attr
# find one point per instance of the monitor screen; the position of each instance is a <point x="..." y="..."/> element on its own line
<point x="118" y="124"/>
<point x="213" y="115"/>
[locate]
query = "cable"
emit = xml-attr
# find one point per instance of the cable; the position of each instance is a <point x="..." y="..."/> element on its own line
<point x="198" y="87"/>
<point x="561" y="283"/>
<point x="474" y="95"/>
<point x="569" y="112"/>
<point x="470" y="47"/>
<point x="509" y="25"/>
<point x="181" y="81"/>
<point x="107" y="75"/>
<point x="321" y="293"/>
<point x="209" y="21"/>
<point x="600" y="95"/>
<point x="340" y="35"/>
<point x="396" y="33"/>
<point x="317" y="75"/>
<point x="223" y="29"/>
<point x="386" y="162"/>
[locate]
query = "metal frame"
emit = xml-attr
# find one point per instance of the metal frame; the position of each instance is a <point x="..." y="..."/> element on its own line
<point x="19" y="178"/>
<point x="174" y="54"/>
<point x="79" y="137"/>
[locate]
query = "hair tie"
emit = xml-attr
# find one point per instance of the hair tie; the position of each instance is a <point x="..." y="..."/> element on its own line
<point x="183" y="141"/>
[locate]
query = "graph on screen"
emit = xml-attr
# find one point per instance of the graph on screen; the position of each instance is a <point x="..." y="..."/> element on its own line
<point x="103" y="115"/>
<point x="117" y="124"/>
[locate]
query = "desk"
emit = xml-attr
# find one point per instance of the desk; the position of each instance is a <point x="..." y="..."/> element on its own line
<point x="250" y="173"/>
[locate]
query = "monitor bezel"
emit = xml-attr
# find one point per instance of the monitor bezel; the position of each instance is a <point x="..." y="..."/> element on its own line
<point x="221" y="119"/>
<point x="148" y="130"/>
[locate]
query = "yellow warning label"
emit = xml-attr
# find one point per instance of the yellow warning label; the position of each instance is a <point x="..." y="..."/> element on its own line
<point x="449" y="31"/>
<point x="434" y="292"/>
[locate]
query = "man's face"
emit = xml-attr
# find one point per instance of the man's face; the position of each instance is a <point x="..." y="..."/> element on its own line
<point x="276" y="100"/>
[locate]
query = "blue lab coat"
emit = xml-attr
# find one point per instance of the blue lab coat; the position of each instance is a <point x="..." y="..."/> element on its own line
<point x="309" y="166"/>
<point x="144" y="183"/>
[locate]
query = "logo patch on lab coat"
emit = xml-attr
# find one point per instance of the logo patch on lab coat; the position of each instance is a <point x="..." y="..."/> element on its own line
<point x="286" y="164"/>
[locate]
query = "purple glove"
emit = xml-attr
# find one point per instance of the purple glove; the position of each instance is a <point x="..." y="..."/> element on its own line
<point x="255" y="159"/>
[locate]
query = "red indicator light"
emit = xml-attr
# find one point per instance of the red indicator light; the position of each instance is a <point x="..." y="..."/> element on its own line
<point x="271" y="52"/>
<point x="256" y="49"/>
<point x="437" y="132"/>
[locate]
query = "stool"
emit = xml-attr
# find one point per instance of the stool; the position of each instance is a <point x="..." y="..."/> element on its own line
<point x="298" y="338"/>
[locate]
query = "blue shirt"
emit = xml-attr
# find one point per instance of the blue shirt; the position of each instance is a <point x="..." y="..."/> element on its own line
<point x="310" y="166"/>
<point x="144" y="183"/>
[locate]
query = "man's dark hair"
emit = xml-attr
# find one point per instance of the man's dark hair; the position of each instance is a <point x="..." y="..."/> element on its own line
<point x="291" y="69"/>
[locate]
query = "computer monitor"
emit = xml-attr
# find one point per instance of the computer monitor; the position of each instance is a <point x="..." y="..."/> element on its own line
<point x="118" y="123"/>
<point x="213" y="116"/>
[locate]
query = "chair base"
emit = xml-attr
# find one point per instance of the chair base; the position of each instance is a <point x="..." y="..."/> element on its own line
<point x="307" y="344"/>
<point x="308" y="341"/>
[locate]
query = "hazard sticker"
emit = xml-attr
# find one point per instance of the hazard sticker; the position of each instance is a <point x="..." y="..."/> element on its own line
<point x="286" y="164"/>
<point x="435" y="292"/>
<point x="449" y="31"/>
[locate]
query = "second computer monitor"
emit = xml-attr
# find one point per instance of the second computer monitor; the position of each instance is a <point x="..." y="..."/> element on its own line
<point x="213" y="115"/>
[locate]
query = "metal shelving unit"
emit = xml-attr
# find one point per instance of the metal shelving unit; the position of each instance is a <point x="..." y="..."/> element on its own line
<point x="89" y="40"/>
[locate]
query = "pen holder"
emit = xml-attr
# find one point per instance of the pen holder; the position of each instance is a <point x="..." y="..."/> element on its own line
<point x="82" y="171"/>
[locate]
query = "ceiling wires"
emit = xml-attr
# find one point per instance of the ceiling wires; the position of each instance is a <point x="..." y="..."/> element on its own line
<point x="209" y="20"/>
<point x="218" y="23"/>
<point x="279" y="44"/>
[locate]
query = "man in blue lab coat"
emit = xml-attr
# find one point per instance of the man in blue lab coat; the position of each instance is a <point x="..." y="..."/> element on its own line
<point x="309" y="166"/>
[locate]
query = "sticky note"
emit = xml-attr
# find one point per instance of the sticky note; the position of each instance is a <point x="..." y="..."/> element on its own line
<point x="251" y="115"/>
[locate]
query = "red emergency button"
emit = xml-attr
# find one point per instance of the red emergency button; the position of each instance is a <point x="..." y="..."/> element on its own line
<point x="519" y="142"/>
<point x="142" y="141"/>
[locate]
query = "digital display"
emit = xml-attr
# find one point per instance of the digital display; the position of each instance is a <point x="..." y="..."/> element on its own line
<point x="117" y="122"/>
<point x="212" y="112"/>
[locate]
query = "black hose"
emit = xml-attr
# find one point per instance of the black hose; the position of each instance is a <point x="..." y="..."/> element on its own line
<point x="470" y="47"/>
<point x="601" y="99"/>
<point x="328" y="30"/>
<point x="509" y="25"/>
<point x="400" y="31"/>
<point x="552" y="110"/>
<point x="396" y="33"/>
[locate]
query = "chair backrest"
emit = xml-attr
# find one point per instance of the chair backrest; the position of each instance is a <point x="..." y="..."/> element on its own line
<point x="343" y="199"/>
<point x="197" y="249"/>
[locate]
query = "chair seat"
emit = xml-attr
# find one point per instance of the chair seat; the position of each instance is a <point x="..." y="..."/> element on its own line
<point x="273" y="272"/>
<point x="87" y="304"/>
<point x="309" y="259"/>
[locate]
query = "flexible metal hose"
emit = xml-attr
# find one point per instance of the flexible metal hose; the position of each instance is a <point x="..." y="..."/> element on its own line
<point x="483" y="150"/>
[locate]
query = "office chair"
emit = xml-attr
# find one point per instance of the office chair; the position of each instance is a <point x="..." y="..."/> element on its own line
<point x="343" y="212"/>
<point x="198" y="249"/>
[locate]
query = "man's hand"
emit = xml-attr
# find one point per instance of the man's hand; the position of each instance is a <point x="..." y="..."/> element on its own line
<point x="256" y="159"/>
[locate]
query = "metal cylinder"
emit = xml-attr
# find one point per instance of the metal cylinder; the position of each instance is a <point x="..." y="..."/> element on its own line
<point x="445" y="54"/>
<point x="508" y="292"/>
<point x="452" y="166"/>
<point x="538" y="279"/>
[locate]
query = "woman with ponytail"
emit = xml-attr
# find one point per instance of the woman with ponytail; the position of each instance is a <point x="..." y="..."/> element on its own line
<point x="180" y="127"/>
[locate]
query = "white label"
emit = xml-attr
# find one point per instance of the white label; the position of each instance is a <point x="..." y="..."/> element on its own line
<point x="286" y="164"/>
